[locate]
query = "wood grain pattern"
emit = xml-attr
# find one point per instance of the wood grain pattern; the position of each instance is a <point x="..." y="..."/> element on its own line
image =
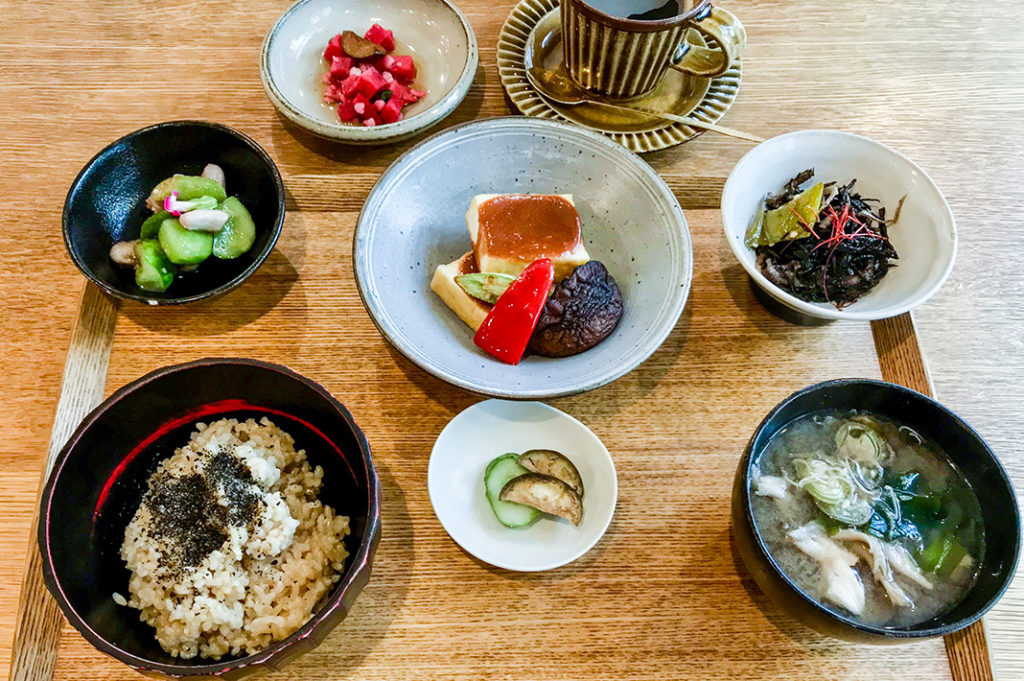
<point x="902" y="362"/>
<point x="39" y="621"/>
<point x="675" y="428"/>
<point x="74" y="75"/>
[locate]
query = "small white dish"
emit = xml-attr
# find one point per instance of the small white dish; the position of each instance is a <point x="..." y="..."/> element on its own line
<point x="925" y="236"/>
<point x="485" y="431"/>
<point x="436" y="34"/>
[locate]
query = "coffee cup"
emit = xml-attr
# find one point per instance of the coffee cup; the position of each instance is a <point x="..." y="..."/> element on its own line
<point x="622" y="48"/>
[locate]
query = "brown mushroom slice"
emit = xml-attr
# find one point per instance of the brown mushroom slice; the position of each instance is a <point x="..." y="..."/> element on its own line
<point x="583" y="310"/>
<point x="552" y="463"/>
<point x="546" y="494"/>
<point x="358" y="47"/>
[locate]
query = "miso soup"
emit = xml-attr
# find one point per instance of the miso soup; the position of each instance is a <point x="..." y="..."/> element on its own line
<point x="868" y="518"/>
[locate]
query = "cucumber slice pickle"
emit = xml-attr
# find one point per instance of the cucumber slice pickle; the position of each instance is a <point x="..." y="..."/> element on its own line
<point x="238" y="234"/>
<point x="154" y="271"/>
<point x="182" y="246"/>
<point x="499" y="472"/>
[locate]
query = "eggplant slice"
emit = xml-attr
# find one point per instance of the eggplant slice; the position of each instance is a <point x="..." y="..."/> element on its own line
<point x="358" y="47"/>
<point x="552" y="463"/>
<point x="546" y="494"/>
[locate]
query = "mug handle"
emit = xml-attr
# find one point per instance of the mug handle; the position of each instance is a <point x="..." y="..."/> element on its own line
<point x="726" y="31"/>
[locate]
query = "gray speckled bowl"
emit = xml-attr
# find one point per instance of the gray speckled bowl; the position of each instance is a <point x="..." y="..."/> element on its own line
<point x="414" y="220"/>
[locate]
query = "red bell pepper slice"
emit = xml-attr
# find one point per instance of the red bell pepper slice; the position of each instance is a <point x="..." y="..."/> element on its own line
<point x="507" y="329"/>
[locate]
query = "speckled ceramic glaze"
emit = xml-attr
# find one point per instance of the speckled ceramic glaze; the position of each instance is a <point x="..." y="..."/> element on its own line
<point x="434" y="32"/>
<point x="925" y="235"/>
<point x="532" y="35"/>
<point x="414" y="220"/>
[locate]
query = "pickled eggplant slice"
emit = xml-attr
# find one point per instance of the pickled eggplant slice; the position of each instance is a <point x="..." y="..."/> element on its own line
<point x="238" y="234"/>
<point x="496" y="476"/>
<point x="552" y="463"/>
<point x="546" y="494"/>
<point x="358" y="47"/>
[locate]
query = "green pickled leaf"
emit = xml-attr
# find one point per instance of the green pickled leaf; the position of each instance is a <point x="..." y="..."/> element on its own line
<point x="788" y="222"/>
<point x="756" y="230"/>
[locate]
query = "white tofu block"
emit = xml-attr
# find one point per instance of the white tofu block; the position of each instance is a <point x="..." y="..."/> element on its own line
<point x="564" y="263"/>
<point x="469" y="309"/>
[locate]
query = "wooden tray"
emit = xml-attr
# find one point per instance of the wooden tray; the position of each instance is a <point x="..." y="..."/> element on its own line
<point x="661" y="596"/>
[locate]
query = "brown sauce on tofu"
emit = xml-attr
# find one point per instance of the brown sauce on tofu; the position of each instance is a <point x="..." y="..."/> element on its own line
<point x="527" y="227"/>
<point x="467" y="264"/>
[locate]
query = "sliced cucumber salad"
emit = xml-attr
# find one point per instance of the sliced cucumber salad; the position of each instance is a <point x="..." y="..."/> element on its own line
<point x="193" y="219"/>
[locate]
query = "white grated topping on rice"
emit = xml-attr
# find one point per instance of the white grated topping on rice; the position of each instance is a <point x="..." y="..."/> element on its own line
<point x="278" y="550"/>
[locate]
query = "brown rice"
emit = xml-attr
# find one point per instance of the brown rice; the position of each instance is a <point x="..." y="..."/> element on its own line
<point x="274" y="565"/>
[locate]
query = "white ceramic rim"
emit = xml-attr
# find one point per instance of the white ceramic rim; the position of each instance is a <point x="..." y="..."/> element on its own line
<point x="669" y="319"/>
<point x="358" y="134"/>
<point x="553" y="564"/>
<point x="816" y="309"/>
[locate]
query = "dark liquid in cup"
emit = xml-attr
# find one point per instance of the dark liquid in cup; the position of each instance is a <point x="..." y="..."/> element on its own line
<point x="642" y="10"/>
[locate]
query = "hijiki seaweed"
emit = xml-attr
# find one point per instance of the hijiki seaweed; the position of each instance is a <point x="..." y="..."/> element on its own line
<point x="839" y="257"/>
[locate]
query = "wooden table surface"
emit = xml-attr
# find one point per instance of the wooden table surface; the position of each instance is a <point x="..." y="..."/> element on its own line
<point x="940" y="81"/>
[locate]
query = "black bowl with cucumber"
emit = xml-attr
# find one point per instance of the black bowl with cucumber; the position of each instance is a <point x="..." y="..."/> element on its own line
<point x="174" y="213"/>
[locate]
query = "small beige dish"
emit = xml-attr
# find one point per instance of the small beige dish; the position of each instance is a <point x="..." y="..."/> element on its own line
<point x="532" y="36"/>
<point x="434" y="32"/>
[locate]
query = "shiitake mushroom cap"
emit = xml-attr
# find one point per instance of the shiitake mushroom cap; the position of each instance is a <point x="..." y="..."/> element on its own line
<point x="583" y="310"/>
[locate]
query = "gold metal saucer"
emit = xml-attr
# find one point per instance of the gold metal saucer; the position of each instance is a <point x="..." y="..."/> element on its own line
<point x="532" y="36"/>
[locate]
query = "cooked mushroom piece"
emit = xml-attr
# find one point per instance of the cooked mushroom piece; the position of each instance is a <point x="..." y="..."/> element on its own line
<point x="554" y="464"/>
<point x="203" y="220"/>
<point x="214" y="172"/>
<point x="546" y="494"/>
<point x="358" y="47"/>
<point x="583" y="310"/>
<point x="123" y="253"/>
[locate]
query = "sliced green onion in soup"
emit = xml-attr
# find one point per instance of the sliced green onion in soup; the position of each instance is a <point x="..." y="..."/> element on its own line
<point x="860" y="442"/>
<point x="831" y="484"/>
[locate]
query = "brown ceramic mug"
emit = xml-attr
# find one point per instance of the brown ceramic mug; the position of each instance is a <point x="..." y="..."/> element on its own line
<point x="622" y="48"/>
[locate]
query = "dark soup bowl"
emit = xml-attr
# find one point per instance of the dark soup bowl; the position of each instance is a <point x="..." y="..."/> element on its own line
<point x="107" y="204"/>
<point x="100" y="476"/>
<point x="999" y="513"/>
